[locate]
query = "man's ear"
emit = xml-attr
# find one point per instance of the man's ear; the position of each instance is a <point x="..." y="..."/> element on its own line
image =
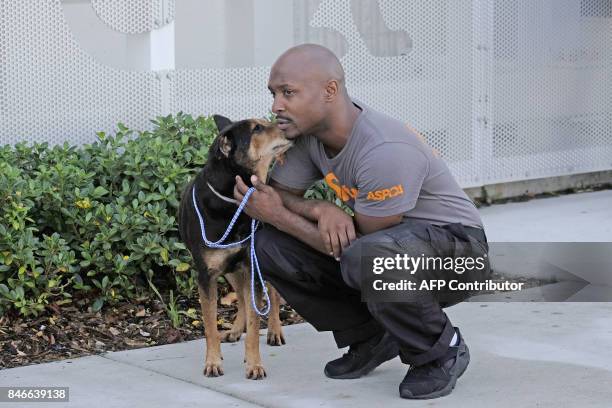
<point x="331" y="90"/>
<point x="222" y="122"/>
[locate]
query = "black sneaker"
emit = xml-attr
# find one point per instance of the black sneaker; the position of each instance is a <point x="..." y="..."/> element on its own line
<point x="437" y="378"/>
<point x="363" y="357"/>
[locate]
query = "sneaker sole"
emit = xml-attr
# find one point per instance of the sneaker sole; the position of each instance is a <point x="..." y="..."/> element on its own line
<point x="449" y="387"/>
<point x="390" y="351"/>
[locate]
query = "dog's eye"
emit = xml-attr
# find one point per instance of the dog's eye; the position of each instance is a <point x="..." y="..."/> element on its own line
<point x="258" y="128"/>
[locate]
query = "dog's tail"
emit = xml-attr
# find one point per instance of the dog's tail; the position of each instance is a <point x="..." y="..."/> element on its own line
<point x="185" y="207"/>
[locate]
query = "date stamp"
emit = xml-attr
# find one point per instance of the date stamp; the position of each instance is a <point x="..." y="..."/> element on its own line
<point x="34" y="394"/>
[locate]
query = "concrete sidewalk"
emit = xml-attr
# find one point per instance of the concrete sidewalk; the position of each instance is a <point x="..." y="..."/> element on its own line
<point x="523" y="354"/>
<point x="582" y="217"/>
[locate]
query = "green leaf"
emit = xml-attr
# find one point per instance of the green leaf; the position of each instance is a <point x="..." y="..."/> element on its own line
<point x="182" y="267"/>
<point x="97" y="305"/>
<point x="99" y="192"/>
<point x="19" y="292"/>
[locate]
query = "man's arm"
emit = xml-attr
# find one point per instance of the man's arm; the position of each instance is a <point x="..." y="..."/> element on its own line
<point x="336" y="228"/>
<point x="311" y="209"/>
<point x="309" y="232"/>
<point x="367" y="224"/>
<point x="300" y="228"/>
<point x="267" y="205"/>
<point x="334" y="231"/>
<point x="294" y="200"/>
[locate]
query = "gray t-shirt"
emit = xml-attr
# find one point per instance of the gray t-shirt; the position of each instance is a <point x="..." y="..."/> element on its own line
<point x="383" y="169"/>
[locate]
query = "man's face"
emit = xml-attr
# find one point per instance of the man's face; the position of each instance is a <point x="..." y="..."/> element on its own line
<point x="299" y="102"/>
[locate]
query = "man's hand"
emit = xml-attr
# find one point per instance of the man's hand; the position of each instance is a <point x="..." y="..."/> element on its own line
<point x="264" y="205"/>
<point x="336" y="228"/>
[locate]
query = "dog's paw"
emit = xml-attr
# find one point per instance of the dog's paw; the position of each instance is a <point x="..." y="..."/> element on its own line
<point x="276" y="337"/>
<point x="255" y="371"/>
<point x="230" y="336"/>
<point x="213" y="369"/>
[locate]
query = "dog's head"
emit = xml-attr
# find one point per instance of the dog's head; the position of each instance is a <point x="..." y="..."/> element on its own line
<point x="250" y="144"/>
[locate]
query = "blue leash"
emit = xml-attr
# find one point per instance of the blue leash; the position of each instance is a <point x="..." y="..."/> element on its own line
<point x="218" y="244"/>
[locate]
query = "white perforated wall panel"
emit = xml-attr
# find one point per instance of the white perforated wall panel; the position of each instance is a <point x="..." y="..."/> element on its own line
<point x="53" y="91"/>
<point x="134" y="16"/>
<point x="412" y="60"/>
<point x="505" y="89"/>
<point x="551" y="102"/>
<point x="234" y="92"/>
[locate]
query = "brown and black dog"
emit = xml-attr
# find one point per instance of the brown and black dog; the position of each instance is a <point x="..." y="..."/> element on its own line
<point x="242" y="148"/>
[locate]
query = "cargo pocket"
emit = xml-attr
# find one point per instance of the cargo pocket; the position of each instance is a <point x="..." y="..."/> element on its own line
<point x="452" y="240"/>
<point x="410" y="236"/>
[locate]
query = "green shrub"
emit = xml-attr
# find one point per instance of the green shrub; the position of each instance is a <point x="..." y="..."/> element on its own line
<point x="321" y="191"/>
<point x="98" y="222"/>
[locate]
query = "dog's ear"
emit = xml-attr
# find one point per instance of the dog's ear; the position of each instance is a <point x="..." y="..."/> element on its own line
<point x="221" y="147"/>
<point x="222" y="122"/>
<point x="225" y="145"/>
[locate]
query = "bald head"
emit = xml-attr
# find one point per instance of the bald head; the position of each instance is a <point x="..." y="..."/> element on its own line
<point x="311" y="63"/>
<point x="307" y="84"/>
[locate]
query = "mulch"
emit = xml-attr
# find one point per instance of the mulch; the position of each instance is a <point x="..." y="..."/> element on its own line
<point x="74" y="330"/>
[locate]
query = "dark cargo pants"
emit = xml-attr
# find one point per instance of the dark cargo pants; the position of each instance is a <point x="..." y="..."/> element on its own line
<point x="327" y="293"/>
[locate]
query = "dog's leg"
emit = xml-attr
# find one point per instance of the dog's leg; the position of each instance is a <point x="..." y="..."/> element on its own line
<point x="275" y="331"/>
<point x="254" y="367"/>
<point x="236" y="279"/>
<point x="208" y="302"/>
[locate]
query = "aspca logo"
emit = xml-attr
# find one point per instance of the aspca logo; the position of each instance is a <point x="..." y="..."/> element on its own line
<point x="346" y="193"/>
<point x="380" y="195"/>
<point x="343" y="192"/>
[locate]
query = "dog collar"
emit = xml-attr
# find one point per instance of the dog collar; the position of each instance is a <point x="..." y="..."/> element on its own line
<point x="221" y="196"/>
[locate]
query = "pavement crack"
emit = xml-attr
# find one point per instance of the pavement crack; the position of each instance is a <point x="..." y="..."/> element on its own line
<point x="229" y="394"/>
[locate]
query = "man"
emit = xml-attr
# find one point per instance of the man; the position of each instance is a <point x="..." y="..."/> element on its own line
<point x="405" y="201"/>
